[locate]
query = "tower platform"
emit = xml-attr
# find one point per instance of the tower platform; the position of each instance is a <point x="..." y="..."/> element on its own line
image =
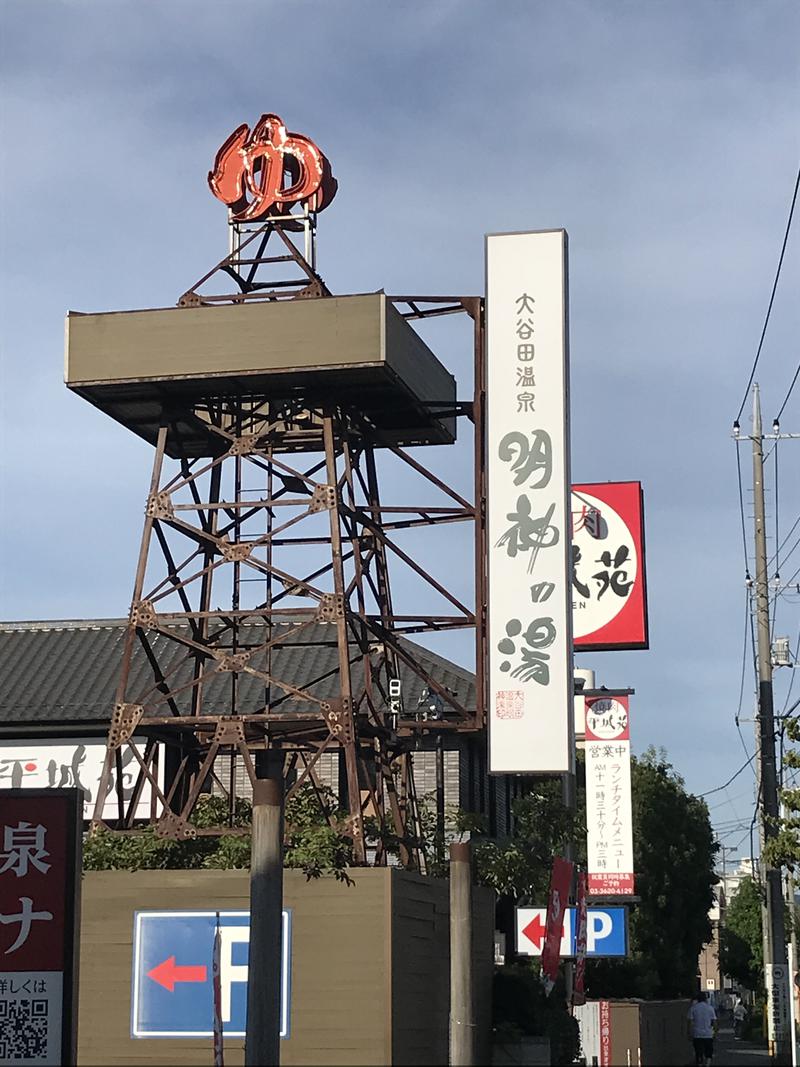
<point x="142" y="367"/>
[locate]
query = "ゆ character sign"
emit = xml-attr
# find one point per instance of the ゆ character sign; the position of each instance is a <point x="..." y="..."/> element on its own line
<point x="266" y="171"/>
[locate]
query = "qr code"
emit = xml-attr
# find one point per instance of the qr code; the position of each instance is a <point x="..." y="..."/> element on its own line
<point x="509" y="703"/>
<point x="23" y="1030"/>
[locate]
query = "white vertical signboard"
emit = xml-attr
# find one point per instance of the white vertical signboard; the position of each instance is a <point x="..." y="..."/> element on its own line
<point x="528" y="511"/>
<point x="609" y="827"/>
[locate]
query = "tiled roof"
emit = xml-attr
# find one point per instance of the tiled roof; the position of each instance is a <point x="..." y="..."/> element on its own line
<point x="67" y="671"/>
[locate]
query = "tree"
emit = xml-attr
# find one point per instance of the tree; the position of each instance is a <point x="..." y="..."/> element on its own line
<point x="518" y="866"/>
<point x="783" y="850"/>
<point x="742" y="948"/>
<point x="674" y="854"/>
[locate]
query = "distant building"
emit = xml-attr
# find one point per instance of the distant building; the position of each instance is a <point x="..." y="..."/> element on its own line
<point x="709" y="967"/>
<point x="748" y="868"/>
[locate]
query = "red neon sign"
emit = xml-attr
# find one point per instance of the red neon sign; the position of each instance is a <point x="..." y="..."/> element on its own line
<point x="265" y="171"/>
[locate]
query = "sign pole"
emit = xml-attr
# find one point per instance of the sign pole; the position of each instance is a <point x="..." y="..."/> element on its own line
<point x="569" y="795"/>
<point x="262" y="1041"/>
<point x="462" y="1022"/>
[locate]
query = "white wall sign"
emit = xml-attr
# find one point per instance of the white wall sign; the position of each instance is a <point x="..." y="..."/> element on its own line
<point x="609" y="844"/>
<point x="528" y="511"/>
<point x="68" y="763"/>
<point x="777" y="983"/>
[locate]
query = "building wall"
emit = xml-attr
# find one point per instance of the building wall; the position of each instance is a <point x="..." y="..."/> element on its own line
<point x="327" y="768"/>
<point x="662" y="1033"/>
<point x="655" y="1029"/>
<point x="709" y="967"/>
<point x="370" y="965"/>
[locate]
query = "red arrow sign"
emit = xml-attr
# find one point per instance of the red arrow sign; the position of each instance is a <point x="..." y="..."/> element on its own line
<point x="535" y="931"/>
<point x="168" y="973"/>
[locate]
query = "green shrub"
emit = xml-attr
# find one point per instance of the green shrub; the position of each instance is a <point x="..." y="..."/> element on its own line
<point x="311" y="843"/>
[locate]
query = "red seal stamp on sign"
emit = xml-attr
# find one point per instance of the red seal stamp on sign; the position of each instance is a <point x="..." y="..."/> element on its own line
<point x="509" y="704"/>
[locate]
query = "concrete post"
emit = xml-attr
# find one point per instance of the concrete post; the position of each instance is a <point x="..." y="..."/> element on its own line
<point x="262" y="1042"/>
<point x="462" y="1017"/>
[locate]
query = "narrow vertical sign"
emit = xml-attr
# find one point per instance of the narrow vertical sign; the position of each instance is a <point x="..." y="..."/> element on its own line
<point x="609" y="843"/>
<point x="557" y="901"/>
<point x="605" y="1033"/>
<point x="528" y="504"/>
<point x="40" y="865"/>
<point x="216" y="979"/>
<point x="578" y="992"/>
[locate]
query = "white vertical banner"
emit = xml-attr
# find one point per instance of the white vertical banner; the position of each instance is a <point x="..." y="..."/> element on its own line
<point x="529" y="606"/>
<point x="609" y="823"/>
<point x="778" y="993"/>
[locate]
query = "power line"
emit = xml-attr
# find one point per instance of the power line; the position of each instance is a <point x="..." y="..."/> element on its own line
<point x="789" y="554"/>
<point x="738" y="715"/>
<point x="777" y="503"/>
<point x="729" y="800"/>
<point x="793" y="576"/>
<point x="791" y="680"/>
<point x="789" y="393"/>
<point x="783" y="542"/>
<point x="741" y="509"/>
<point x="771" y="301"/>
<point x="733" y="778"/>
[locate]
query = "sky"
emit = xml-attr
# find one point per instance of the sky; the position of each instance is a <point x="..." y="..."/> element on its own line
<point x="662" y="136"/>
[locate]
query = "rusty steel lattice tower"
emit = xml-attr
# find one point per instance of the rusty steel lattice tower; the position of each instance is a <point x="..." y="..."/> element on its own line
<point x="264" y="624"/>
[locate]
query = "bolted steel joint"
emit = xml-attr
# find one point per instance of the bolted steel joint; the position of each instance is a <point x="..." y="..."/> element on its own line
<point x="244" y="445"/>
<point x="124" y="720"/>
<point x="159" y="506"/>
<point x="143" y="614"/>
<point x="331" y="607"/>
<point x="235" y="553"/>
<point x="175" y="827"/>
<point x="323" y="498"/>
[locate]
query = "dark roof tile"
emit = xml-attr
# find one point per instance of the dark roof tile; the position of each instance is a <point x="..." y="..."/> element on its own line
<point x="67" y="671"/>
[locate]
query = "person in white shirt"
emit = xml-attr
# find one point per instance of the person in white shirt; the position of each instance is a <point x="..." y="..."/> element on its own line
<point x="739" y="1016"/>
<point x="702" y="1021"/>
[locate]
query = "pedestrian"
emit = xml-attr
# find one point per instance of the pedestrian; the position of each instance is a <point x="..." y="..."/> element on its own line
<point x="739" y="1016"/>
<point x="702" y="1025"/>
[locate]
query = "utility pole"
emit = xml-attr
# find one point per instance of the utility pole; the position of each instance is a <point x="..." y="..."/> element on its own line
<point x="462" y="1003"/>
<point x="774" y="931"/>
<point x="262" y="1041"/>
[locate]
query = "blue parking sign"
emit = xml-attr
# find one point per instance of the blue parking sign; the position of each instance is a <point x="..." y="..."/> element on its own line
<point x="172" y="993"/>
<point x="606" y="931"/>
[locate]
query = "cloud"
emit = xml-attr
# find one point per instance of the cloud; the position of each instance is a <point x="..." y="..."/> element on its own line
<point x="663" y="136"/>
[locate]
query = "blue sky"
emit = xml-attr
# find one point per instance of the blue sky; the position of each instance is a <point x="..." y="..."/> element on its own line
<point x="663" y="137"/>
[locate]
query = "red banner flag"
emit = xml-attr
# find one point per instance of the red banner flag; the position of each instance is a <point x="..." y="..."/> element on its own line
<point x="560" y="883"/>
<point x="578" y="992"/>
<point x="219" y="1055"/>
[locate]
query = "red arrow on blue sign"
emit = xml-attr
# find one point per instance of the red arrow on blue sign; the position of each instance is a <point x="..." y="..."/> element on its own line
<point x="168" y="973"/>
